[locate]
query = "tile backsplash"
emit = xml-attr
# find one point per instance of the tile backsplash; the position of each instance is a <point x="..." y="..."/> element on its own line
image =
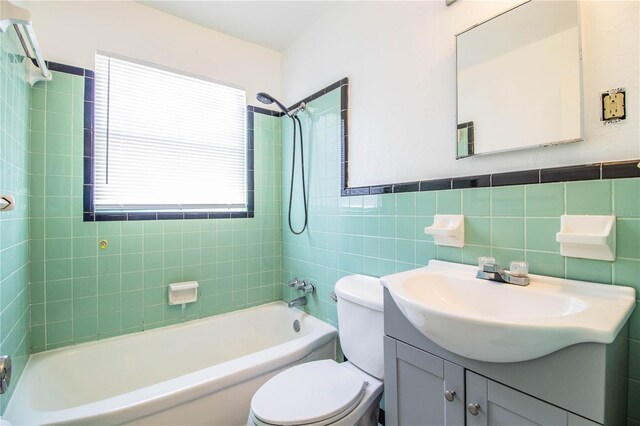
<point x="383" y="234"/>
<point x="80" y="292"/>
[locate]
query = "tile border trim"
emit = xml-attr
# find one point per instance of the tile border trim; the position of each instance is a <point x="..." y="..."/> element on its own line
<point x="89" y="214"/>
<point x="592" y="171"/>
<point x="595" y="171"/>
<point x="343" y="85"/>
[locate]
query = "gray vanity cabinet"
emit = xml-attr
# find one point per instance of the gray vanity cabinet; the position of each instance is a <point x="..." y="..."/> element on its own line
<point x="420" y="388"/>
<point x="581" y="385"/>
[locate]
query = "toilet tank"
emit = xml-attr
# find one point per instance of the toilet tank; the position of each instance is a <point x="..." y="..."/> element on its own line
<point x="360" y="322"/>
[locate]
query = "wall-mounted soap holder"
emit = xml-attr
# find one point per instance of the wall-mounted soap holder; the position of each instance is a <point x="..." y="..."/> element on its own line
<point x="588" y="237"/>
<point x="183" y="293"/>
<point x="447" y="230"/>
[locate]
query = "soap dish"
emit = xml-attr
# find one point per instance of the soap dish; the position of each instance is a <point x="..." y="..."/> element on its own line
<point x="447" y="230"/>
<point x="588" y="237"/>
<point x="182" y="293"/>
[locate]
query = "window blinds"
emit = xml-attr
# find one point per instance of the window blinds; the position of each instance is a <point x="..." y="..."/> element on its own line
<point x="165" y="141"/>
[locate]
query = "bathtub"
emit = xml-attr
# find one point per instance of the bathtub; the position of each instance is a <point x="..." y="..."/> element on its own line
<point x="199" y="372"/>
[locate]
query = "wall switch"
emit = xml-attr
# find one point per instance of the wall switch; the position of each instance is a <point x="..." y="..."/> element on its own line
<point x="613" y="106"/>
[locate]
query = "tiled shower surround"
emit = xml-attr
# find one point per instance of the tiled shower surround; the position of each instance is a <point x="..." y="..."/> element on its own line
<point x="80" y="292"/>
<point x="14" y="180"/>
<point x="383" y="234"/>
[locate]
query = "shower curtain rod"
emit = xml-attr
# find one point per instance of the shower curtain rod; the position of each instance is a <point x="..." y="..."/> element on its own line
<point x="20" y="18"/>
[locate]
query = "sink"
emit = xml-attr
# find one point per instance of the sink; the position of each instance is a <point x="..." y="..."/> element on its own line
<point x="496" y="322"/>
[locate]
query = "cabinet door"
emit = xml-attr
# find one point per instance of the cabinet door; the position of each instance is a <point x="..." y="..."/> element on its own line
<point x="415" y="386"/>
<point x="499" y="405"/>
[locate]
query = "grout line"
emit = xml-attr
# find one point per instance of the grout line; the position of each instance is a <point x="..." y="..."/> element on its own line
<point x="491" y="217"/>
<point x="564" y="209"/>
<point x="44" y="249"/>
<point x="525" y="217"/>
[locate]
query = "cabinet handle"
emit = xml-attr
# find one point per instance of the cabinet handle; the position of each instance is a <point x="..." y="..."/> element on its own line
<point x="449" y="395"/>
<point x="474" y="409"/>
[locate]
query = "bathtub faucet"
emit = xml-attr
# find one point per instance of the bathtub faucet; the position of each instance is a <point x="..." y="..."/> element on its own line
<point x="300" y="301"/>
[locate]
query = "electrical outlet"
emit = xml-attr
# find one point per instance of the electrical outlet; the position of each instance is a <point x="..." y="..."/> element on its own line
<point x="613" y="107"/>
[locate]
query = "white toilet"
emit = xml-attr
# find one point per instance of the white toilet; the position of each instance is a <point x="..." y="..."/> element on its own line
<point x="325" y="392"/>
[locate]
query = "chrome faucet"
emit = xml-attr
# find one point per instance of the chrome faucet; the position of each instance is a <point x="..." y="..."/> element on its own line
<point x="302" y="285"/>
<point x="300" y="301"/>
<point x="494" y="272"/>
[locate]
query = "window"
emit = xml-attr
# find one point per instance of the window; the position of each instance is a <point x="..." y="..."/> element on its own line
<point x="167" y="143"/>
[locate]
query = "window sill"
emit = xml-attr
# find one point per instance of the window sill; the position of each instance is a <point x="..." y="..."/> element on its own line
<point x="127" y="216"/>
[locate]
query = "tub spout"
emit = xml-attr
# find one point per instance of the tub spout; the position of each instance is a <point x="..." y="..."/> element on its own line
<point x="300" y="301"/>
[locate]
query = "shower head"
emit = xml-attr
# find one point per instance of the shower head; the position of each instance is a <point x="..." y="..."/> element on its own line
<point x="266" y="98"/>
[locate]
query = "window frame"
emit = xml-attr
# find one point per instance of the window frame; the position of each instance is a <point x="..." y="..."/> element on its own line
<point x="90" y="214"/>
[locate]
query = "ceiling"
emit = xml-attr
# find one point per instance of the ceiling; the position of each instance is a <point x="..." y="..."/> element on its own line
<point x="272" y="24"/>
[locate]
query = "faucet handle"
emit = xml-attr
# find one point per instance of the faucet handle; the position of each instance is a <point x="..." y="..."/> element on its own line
<point x="488" y="264"/>
<point x="492" y="267"/>
<point x="294" y="283"/>
<point x="519" y="268"/>
<point x="309" y="288"/>
<point x="486" y="260"/>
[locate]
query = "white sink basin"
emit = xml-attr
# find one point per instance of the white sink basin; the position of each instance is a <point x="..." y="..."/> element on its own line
<point x="498" y="322"/>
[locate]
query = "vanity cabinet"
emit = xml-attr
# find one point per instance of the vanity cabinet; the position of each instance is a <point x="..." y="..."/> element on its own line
<point x="423" y="389"/>
<point x="415" y="385"/>
<point x="582" y="385"/>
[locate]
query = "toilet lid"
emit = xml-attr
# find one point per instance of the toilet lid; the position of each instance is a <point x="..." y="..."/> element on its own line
<point x="308" y="393"/>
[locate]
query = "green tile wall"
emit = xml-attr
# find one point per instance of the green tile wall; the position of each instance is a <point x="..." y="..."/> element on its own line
<point x="14" y="225"/>
<point x="383" y="234"/>
<point x="80" y="292"/>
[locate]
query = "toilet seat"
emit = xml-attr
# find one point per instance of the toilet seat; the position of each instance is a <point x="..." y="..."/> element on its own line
<point x="319" y="391"/>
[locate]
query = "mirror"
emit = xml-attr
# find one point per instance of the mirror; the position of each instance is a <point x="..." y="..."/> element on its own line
<point x="519" y="79"/>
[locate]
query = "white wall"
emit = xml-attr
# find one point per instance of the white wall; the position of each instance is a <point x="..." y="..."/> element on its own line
<point x="70" y="32"/>
<point x="400" y="59"/>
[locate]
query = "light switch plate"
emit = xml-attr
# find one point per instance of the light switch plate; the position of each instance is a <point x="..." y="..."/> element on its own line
<point x="613" y="105"/>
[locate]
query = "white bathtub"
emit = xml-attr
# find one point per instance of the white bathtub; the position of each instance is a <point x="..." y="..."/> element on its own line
<point x="200" y="372"/>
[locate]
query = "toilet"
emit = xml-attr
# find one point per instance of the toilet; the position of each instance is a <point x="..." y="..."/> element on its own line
<point x="326" y="392"/>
